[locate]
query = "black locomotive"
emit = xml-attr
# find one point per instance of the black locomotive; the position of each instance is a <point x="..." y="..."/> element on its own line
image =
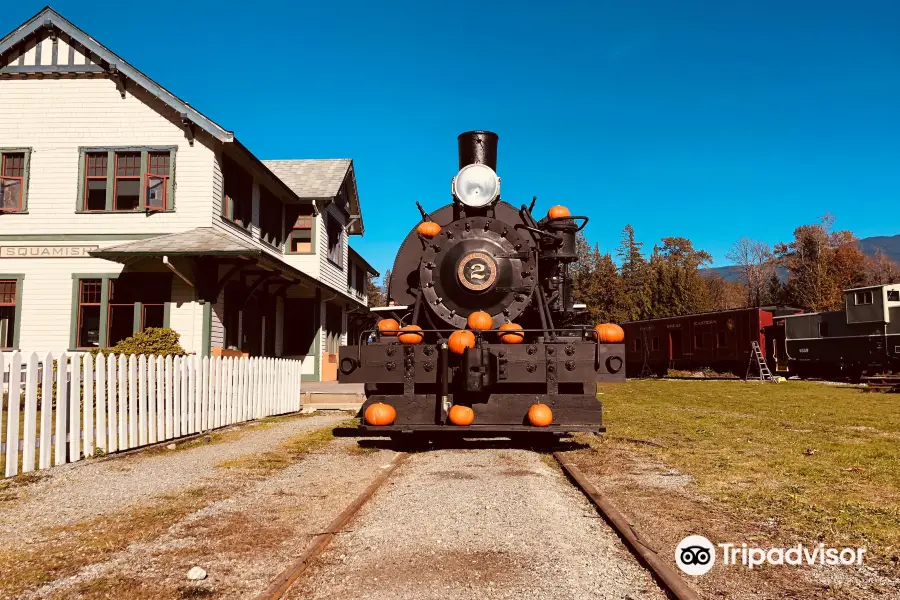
<point x="482" y="335"/>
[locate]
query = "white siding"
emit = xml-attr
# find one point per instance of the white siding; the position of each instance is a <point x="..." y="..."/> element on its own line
<point x="333" y="275"/>
<point x="186" y="316"/>
<point x="55" y="117"/>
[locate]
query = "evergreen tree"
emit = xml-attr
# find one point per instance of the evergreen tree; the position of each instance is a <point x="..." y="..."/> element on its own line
<point x="635" y="275"/>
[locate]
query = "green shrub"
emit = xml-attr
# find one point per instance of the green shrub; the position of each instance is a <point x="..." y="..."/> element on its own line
<point x="159" y="341"/>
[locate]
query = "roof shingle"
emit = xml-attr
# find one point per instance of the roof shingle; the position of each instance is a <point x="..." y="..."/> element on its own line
<point x="311" y="178"/>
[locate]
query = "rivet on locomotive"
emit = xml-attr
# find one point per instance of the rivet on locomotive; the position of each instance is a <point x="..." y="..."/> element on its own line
<point x="481" y="332"/>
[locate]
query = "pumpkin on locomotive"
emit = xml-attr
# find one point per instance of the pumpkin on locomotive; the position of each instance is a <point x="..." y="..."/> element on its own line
<point x="482" y="334"/>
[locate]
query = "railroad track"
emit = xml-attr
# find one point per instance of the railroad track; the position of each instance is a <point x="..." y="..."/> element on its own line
<point x="886" y="383"/>
<point x="661" y="569"/>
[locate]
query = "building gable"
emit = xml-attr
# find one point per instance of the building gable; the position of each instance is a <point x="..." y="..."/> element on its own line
<point x="48" y="44"/>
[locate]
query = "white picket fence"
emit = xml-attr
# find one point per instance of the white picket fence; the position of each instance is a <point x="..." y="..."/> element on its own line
<point x="115" y="403"/>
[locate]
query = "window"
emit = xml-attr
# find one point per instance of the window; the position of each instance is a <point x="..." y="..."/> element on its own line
<point x="823" y="329"/>
<point x="89" y="304"/>
<point x="127" y="194"/>
<point x="893" y="295"/>
<point x="722" y="339"/>
<point x="864" y="297"/>
<point x="636" y="345"/>
<point x="13" y="180"/>
<point x="156" y="185"/>
<point x="301" y="235"/>
<point x="237" y="205"/>
<point x="111" y="308"/>
<point x="360" y="284"/>
<point x="698" y="340"/>
<point x="127" y="180"/>
<point x="654" y="343"/>
<point x="335" y="239"/>
<point x="95" y="181"/>
<point x="270" y="227"/>
<point x="8" y="303"/>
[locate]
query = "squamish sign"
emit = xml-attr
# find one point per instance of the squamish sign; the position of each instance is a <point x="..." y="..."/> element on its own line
<point x="46" y="251"/>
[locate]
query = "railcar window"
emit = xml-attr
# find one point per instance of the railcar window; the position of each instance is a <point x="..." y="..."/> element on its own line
<point x="698" y="340"/>
<point x="722" y="339"/>
<point x="823" y="329"/>
<point x="654" y="343"/>
<point x="893" y="295"/>
<point x="864" y="297"/>
<point x="636" y="345"/>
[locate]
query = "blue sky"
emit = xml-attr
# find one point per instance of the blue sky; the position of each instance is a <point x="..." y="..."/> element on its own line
<point x="710" y="120"/>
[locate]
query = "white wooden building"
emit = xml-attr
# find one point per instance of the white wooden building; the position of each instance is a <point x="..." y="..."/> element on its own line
<point x="122" y="207"/>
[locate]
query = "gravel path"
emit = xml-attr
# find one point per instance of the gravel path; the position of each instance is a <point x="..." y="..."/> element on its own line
<point x="71" y="493"/>
<point x="479" y="524"/>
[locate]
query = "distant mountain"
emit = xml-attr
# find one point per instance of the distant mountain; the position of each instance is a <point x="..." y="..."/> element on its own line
<point x="889" y="244"/>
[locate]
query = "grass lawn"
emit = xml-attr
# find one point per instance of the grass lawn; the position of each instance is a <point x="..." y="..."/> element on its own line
<point x="821" y="461"/>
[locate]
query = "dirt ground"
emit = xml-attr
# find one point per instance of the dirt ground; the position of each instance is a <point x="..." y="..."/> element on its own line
<point x="241" y="507"/>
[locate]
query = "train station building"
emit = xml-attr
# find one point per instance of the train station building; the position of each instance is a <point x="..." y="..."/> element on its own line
<point x="122" y="207"/>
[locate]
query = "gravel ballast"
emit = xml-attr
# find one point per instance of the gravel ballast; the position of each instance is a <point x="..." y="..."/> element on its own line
<point x="480" y="524"/>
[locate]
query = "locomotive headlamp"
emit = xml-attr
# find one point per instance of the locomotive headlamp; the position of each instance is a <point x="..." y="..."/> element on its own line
<point x="476" y="185"/>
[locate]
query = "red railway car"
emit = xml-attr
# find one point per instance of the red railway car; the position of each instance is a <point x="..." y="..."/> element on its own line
<point x="718" y="340"/>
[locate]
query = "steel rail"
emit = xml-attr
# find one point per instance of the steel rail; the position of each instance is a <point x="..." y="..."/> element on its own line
<point x="669" y="579"/>
<point x="286" y="578"/>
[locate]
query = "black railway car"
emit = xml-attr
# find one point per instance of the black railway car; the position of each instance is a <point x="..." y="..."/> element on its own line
<point x="864" y="338"/>
<point x="481" y="260"/>
<point x="718" y="340"/>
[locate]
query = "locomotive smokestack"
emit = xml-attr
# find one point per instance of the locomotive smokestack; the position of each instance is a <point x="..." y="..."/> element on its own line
<point x="478" y="147"/>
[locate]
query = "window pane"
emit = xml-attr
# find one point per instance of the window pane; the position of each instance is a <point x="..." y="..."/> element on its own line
<point x="154" y="316"/>
<point x="10" y="194"/>
<point x="127" y="194"/>
<point x="128" y="164"/>
<point x="156" y="193"/>
<point x="893" y="295"/>
<point x="96" y="164"/>
<point x="8" y="292"/>
<point x="121" y="323"/>
<point x="159" y="163"/>
<point x="90" y="291"/>
<point x="13" y="165"/>
<point x="96" y="194"/>
<point x="7" y="325"/>
<point x="89" y="327"/>
<point x="304" y="221"/>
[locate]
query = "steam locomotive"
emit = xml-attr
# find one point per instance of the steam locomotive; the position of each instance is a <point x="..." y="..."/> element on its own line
<point x="481" y="334"/>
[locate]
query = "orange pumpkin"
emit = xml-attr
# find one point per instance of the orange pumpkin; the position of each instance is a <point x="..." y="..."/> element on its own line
<point x="388" y="327"/>
<point x="540" y="415"/>
<point x="480" y="320"/>
<point x="558" y="212"/>
<point x="460" y="340"/>
<point x="609" y="333"/>
<point x="410" y="338"/>
<point x="517" y="337"/>
<point x="461" y="415"/>
<point x="428" y="229"/>
<point x="380" y="414"/>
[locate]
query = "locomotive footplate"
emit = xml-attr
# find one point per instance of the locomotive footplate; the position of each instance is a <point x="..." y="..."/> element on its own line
<point x="495" y="415"/>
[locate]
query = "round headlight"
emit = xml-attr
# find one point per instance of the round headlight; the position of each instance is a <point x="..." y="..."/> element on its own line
<point x="476" y="185"/>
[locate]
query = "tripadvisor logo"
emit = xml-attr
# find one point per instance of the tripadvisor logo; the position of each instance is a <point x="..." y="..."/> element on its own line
<point x="696" y="555"/>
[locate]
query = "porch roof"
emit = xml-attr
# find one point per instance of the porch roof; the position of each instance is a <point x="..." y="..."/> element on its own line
<point x="208" y="242"/>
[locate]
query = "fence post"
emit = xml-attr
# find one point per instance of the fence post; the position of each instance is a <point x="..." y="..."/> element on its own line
<point x="176" y="396"/>
<point x="112" y="401"/>
<point x="142" y="400"/>
<point x="152" y="436"/>
<point x="46" y="412"/>
<point x="75" y="410"/>
<point x="62" y="406"/>
<point x="88" y="445"/>
<point x="160" y="398"/>
<point x="30" y="427"/>
<point x="133" y="439"/>
<point x="204" y="395"/>
<point x="181" y="403"/>
<point x="123" y="402"/>
<point x="100" y="380"/>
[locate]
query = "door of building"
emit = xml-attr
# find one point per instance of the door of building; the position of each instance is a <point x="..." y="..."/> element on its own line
<point x="333" y="335"/>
